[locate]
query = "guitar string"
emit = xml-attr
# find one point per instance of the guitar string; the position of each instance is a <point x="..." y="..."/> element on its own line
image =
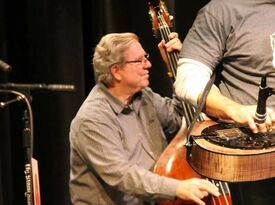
<point x="172" y="61"/>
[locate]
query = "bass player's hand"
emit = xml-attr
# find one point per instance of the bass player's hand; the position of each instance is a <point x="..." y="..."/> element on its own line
<point x="195" y="190"/>
<point x="174" y="44"/>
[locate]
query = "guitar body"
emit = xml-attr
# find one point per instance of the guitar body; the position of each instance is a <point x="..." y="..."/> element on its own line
<point x="172" y="163"/>
<point x="244" y="162"/>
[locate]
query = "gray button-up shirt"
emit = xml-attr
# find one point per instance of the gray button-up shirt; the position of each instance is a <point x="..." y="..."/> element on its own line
<point x="114" y="148"/>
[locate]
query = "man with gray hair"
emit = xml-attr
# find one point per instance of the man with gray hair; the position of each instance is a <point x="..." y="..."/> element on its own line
<point x="119" y="132"/>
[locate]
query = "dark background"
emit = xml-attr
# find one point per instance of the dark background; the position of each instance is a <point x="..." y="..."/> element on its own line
<point x="52" y="41"/>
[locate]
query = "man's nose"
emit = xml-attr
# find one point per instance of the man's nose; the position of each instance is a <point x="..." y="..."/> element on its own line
<point x="147" y="64"/>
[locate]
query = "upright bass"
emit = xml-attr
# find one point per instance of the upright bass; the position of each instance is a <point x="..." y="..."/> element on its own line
<point x="173" y="161"/>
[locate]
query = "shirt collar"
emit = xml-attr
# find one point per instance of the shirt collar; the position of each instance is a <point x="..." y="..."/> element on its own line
<point x="117" y="105"/>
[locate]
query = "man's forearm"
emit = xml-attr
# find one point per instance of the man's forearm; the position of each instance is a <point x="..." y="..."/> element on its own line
<point x="220" y="106"/>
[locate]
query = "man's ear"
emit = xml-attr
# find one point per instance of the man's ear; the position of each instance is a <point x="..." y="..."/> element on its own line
<point x="116" y="72"/>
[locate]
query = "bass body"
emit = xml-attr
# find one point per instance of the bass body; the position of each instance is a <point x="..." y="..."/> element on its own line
<point x="173" y="163"/>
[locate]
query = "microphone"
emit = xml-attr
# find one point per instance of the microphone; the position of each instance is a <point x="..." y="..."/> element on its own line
<point x="61" y="87"/>
<point x="42" y="87"/>
<point x="264" y="93"/>
<point x="127" y="109"/>
<point x="4" y="66"/>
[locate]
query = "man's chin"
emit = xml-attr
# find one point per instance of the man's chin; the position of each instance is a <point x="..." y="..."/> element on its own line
<point x="146" y="84"/>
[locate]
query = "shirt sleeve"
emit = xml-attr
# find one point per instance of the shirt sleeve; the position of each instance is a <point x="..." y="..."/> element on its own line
<point x="206" y="39"/>
<point x="192" y="77"/>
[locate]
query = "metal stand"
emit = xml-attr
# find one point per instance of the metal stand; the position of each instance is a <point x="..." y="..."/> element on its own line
<point x="27" y="145"/>
<point x="11" y="88"/>
<point x="27" y="139"/>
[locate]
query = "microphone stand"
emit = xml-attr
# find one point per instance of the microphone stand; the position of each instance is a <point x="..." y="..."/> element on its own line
<point x="38" y="87"/>
<point x="27" y="145"/>
<point x="27" y="139"/>
<point x="27" y="119"/>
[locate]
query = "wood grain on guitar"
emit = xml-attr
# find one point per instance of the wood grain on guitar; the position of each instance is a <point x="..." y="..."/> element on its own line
<point x="244" y="160"/>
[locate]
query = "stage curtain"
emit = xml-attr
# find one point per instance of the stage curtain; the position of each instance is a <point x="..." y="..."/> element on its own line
<point x="52" y="42"/>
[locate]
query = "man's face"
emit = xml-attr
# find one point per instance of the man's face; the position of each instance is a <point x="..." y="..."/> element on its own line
<point x="135" y="70"/>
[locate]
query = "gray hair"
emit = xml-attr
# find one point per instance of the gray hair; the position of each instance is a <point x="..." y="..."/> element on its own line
<point x="109" y="51"/>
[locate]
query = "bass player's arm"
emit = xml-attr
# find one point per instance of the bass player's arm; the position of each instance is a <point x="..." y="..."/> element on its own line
<point x="192" y="77"/>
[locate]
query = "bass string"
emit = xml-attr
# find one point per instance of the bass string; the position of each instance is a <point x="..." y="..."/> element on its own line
<point x="224" y="189"/>
<point x="173" y="56"/>
<point x="172" y="61"/>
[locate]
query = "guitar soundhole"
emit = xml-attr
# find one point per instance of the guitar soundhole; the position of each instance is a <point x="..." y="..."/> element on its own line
<point x="237" y="136"/>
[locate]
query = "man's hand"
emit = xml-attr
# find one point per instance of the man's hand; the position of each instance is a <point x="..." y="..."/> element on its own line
<point x="245" y="114"/>
<point x="224" y="108"/>
<point x="195" y="190"/>
<point x="174" y="44"/>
